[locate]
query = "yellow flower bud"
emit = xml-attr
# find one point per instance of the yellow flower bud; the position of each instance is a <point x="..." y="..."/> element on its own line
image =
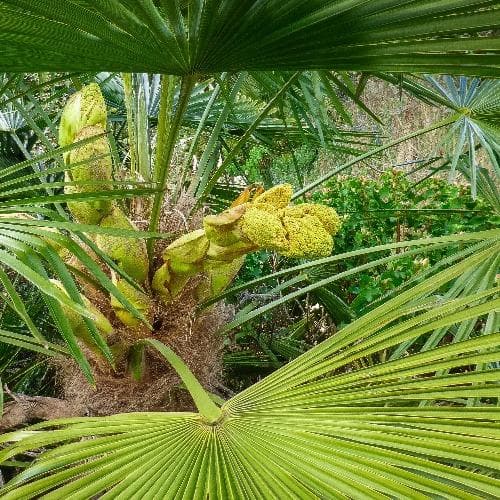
<point x="223" y="229"/>
<point x="278" y="196"/>
<point x="264" y="229"/>
<point x="307" y="237"/>
<point x="129" y="253"/>
<point x="99" y="167"/>
<point x="138" y="299"/>
<point x="78" y="323"/>
<point x="189" y="248"/>
<point x="84" y="108"/>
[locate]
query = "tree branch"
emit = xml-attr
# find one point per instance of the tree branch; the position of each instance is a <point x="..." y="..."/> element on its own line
<point x="27" y="409"/>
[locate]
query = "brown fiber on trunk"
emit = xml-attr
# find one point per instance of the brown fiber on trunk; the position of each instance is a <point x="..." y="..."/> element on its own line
<point x="195" y="338"/>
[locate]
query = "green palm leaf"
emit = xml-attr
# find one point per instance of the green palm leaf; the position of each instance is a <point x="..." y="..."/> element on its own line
<point x="315" y="428"/>
<point x="208" y="36"/>
<point x="475" y="106"/>
<point x="32" y="225"/>
<point x="321" y="426"/>
<point x="313" y="276"/>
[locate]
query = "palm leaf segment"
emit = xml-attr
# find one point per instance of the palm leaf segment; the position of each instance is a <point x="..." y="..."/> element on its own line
<point x="313" y="429"/>
<point x="478" y="107"/>
<point x="208" y="36"/>
<point x="475" y="107"/>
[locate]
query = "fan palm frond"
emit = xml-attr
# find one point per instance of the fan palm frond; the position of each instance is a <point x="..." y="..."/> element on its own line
<point x="314" y="428"/>
<point x="475" y="110"/>
<point x="478" y="105"/>
<point x="211" y="37"/>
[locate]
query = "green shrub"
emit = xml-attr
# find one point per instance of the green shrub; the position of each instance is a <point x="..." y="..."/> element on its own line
<point x="395" y="208"/>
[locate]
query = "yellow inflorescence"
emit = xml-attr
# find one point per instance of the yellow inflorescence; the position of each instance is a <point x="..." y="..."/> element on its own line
<point x="264" y="229"/>
<point x="92" y="163"/>
<point x="307" y="237"/>
<point x="327" y="216"/>
<point x="138" y="299"/>
<point x="295" y="231"/>
<point x="266" y="221"/>
<point x="130" y="254"/>
<point x="85" y="117"/>
<point x="84" y="108"/>
<point x="278" y="196"/>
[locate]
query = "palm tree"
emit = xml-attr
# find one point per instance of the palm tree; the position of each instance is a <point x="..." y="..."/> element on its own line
<point x="419" y="426"/>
